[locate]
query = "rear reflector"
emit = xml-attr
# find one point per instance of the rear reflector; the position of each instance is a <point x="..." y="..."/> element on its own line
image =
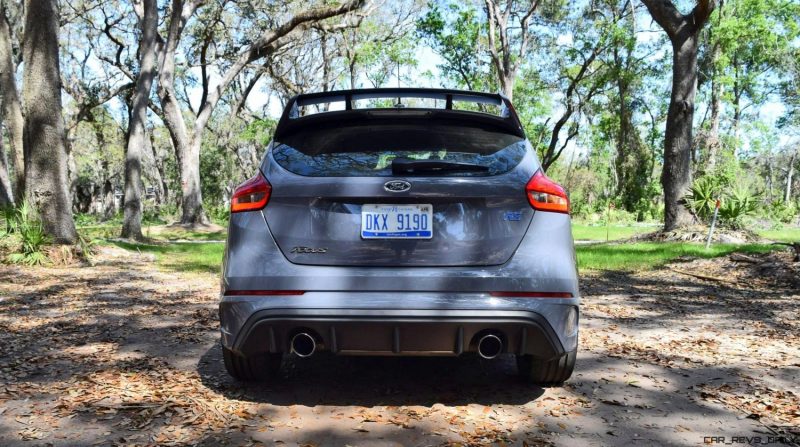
<point x="532" y="294"/>
<point x="546" y="195"/>
<point x="263" y="292"/>
<point x="252" y="195"/>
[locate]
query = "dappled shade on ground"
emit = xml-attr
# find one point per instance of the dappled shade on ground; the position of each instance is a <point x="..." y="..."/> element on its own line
<point x="123" y="352"/>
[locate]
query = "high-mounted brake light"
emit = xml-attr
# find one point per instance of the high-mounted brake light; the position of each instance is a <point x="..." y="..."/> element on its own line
<point x="546" y="195"/>
<point x="251" y="195"/>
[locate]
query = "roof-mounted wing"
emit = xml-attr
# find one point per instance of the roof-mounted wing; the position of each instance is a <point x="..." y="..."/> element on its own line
<point x="317" y="108"/>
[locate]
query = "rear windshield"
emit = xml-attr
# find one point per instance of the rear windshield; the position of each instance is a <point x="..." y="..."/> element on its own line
<point x="369" y="150"/>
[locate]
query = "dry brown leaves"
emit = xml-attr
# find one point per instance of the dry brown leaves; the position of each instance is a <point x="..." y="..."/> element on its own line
<point x="172" y="405"/>
<point x="768" y="404"/>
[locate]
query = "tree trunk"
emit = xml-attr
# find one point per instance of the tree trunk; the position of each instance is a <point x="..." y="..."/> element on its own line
<point x="683" y="31"/>
<point x="737" y="95"/>
<point x="787" y="197"/>
<point x="6" y="195"/>
<point x="137" y="134"/>
<point x="676" y="177"/>
<point x="44" y="136"/>
<point x="187" y="146"/>
<point x="712" y="142"/>
<point x="192" y="199"/>
<point x="770" y="180"/>
<point x="162" y="195"/>
<point x="624" y="121"/>
<point x="353" y="74"/>
<point x="108" y="200"/>
<point x="12" y="109"/>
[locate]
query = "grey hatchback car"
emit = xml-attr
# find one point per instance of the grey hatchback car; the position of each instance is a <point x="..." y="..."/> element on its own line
<point x="400" y="222"/>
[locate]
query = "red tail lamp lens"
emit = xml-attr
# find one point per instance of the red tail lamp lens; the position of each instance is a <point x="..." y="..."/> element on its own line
<point x="546" y="195"/>
<point x="251" y="195"/>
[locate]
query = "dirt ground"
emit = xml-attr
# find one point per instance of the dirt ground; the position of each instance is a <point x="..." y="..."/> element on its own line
<point x="123" y="354"/>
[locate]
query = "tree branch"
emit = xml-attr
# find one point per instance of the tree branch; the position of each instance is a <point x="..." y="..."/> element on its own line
<point x="265" y="45"/>
<point x="666" y="15"/>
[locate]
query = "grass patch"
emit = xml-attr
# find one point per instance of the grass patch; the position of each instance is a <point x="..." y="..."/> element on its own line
<point x="783" y="235"/>
<point x="159" y="233"/>
<point x="583" y="232"/>
<point x="198" y="258"/>
<point x="207" y="257"/>
<point x="648" y="255"/>
<point x="162" y="233"/>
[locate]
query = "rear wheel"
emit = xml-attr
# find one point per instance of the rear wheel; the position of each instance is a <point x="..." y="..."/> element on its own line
<point x="257" y="367"/>
<point x="553" y="372"/>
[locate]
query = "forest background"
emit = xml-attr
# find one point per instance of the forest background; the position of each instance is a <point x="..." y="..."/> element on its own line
<point x="152" y="111"/>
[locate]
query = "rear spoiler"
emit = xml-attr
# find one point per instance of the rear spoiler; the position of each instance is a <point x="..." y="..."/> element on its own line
<point x="293" y="120"/>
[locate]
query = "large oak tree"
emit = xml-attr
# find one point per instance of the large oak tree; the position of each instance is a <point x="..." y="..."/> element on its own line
<point x="11" y="110"/>
<point x="147" y="10"/>
<point x="187" y="136"/>
<point x="683" y="31"/>
<point x="44" y="136"/>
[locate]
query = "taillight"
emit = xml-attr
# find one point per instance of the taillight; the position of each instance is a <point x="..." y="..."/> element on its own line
<point x="251" y="195"/>
<point x="546" y="195"/>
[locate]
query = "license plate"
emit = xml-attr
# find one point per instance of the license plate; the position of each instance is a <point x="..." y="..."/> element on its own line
<point x="396" y="221"/>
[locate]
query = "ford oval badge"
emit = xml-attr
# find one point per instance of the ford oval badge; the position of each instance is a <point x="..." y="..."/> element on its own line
<point x="397" y="186"/>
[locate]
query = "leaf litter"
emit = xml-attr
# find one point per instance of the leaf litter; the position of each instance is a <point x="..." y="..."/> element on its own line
<point x="70" y="347"/>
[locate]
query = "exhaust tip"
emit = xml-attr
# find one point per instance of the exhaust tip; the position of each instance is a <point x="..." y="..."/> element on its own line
<point x="490" y="346"/>
<point x="303" y="344"/>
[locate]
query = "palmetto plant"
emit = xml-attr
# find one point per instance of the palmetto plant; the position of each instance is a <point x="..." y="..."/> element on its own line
<point x="736" y="201"/>
<point x="702" y="197"/>
<point x="27" y="227"/>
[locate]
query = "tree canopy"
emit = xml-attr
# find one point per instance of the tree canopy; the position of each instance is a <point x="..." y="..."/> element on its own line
<point x="169" y="104"/>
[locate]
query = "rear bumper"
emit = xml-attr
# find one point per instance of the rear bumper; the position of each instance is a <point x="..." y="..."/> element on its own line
<point x="424" y="324"/>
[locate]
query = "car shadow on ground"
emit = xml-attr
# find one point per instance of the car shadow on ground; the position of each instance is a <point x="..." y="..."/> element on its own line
<point x="327" y="379"/>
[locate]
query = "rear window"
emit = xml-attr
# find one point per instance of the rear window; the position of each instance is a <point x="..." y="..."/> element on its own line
<point x="369" y="150"/>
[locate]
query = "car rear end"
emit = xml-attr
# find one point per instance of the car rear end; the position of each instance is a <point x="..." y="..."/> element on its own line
<point x="423" y="228"/>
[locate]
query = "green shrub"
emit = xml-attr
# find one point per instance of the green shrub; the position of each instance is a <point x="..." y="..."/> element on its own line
<point x="85" y="219"/>
<point x="27" y="229"/>
<point x="737" y="201"/>
<point x="702" y="197"/>
<point x="8" y="214"/>
<point x="217" y="213"/>
<point x="779" y="211"/>
<point x="736" y="204"/>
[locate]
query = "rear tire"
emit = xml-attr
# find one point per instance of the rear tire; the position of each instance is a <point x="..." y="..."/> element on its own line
<point x="553" y="372"/>
<point x="259" y="367"/>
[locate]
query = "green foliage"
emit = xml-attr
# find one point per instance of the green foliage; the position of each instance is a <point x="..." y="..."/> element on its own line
<point x="229" y="155"/>
<point x="616" y="112"/>
<point x="780" y="211"/>
<point x="702" y="197"/>
<point x="598" y="231"/>
<point x="755" y="36"/>
<point x="737" y="201"/>
<point x="85" y="219"/>
<point x="27" y="231"/>
<point x="87" y="247"/>
<point x="219" y="214"/>
<point x="649" y="255"/>
<point x="786" y="234"/>
<point x="175" y="257"/>
<point x="455" y="33"/>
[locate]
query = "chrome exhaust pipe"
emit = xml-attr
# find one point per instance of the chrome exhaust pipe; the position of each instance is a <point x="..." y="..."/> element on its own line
<point x="303" y="344"/>
<point x="490" y="346"/>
